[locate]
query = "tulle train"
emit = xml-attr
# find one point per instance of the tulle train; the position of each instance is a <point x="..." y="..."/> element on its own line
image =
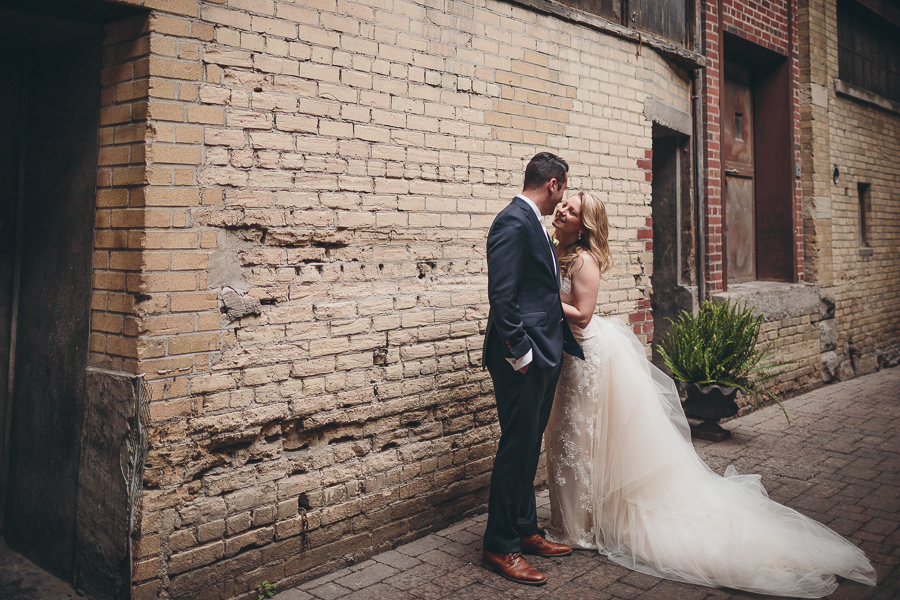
<point x="625" y="479"/>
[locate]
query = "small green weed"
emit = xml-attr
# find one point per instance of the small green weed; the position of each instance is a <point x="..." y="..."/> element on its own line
<point x="265" y="590"/>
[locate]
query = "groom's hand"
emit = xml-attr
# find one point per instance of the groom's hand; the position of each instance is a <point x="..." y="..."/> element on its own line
<point x="524" y="369"/>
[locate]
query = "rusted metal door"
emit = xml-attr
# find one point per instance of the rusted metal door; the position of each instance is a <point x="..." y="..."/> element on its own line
<point x="738" y="162"/>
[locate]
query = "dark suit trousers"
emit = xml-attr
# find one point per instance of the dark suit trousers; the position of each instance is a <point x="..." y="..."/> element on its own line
<point x="523" y="409"/>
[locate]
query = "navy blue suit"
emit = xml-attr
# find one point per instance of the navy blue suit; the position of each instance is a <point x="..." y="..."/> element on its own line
<point x="526" y="314"/>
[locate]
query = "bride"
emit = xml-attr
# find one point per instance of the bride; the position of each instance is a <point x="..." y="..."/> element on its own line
<point x="624" y="478"/>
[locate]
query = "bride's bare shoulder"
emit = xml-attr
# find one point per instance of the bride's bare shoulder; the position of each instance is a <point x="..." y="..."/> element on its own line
<point x="588" y="258"/>
<point x="585" y="270"/>
<point x="585" y="261"/>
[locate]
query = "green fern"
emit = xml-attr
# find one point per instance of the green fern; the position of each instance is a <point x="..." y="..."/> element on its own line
<point x="719" y="346"/>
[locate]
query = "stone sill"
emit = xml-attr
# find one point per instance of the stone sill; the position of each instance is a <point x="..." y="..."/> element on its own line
<point x="842" y="88"/>
<point x="774" y="299"/>
<point x="681" y="56"/>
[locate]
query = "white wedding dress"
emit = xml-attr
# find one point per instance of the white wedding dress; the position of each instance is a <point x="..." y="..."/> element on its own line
<point x="624" y="479"/>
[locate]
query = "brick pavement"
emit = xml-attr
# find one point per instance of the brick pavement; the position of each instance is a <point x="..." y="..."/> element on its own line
<point x="838" y="462"/>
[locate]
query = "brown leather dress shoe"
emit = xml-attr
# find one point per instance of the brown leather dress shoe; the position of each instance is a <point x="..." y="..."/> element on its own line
<point x="513" y="567"/>
<point x="540" y="546"/>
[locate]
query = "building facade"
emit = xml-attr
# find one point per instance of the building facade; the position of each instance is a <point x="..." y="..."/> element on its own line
<point x="751" y="221"/>
<point x="850" y="122"/>
<point x="244" y="266"/>
<point x="785" y="127"/>
<point x="242" y="275"/>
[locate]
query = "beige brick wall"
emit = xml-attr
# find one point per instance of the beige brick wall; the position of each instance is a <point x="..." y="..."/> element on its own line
<point x="339" y="163"/>
<point x="863" y="142"/>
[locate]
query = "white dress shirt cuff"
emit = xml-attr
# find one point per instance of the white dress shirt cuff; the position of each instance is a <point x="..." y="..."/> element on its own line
<point x="521" y="362"/>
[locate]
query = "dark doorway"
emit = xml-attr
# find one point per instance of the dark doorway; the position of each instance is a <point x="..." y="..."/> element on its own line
<point x="64" y="428"/>
<point x="49" y="119"/>
<point x="673" y="231"/>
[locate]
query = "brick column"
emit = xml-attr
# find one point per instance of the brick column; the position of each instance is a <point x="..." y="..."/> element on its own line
<point x="815" y="82"/>
<point x="120" y="195"/>
<point x="712" y="179"/>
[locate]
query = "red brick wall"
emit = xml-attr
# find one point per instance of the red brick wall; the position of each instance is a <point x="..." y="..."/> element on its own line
<point x="641" y="319"/>
<point x="762" y="22"/>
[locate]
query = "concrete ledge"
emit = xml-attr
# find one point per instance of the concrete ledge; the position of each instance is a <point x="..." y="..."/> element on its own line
<point x="776" y="300"/>
<point x="851" y="91"/>
<point x="667" y="115"/>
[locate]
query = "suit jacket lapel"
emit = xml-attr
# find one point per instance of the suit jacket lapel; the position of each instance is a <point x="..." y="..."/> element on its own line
<point x="542" y="234"/>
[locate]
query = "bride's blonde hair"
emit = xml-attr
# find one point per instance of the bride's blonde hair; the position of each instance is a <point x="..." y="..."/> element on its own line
<point x="595" y="240"/>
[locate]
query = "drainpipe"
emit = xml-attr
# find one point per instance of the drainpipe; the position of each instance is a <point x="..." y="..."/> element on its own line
<point x="794" y="173"/>
<point x="700" y="190"/>
<point x="699" y="134"/>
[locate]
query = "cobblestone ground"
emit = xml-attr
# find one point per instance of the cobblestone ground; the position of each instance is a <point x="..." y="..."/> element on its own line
<point x="838" y="462"/>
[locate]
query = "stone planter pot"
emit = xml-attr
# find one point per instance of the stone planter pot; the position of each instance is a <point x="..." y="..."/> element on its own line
<point x="709" y="403"/>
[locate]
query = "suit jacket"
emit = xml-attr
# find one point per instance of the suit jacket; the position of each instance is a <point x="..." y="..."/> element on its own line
<point x="523" y="291"/>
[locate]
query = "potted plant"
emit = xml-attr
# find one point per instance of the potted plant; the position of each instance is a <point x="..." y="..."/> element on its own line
<point x="713" y="355"/>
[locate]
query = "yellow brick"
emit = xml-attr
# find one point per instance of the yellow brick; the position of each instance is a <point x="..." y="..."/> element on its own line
<point x="189" y="260"/>
<point x="121" y="302"/>
<point x="210" y="321"/>
<point x="159" y="196"/>
<point x="208" y="239"/>
<point x="106" y="322"/>
<point x="97" y="342"/>
<point x="161" y="282"/>
<point x="161" y="411"/>
<point x="168" y="239"/>
<point x="175" y="69"/>
<point x="168" y="324"/>
<point x="207" y="115"/>
<point x="132" y="132"/>
<point x="110" y="239"/>
<point x="125" y="261"/>
<point x="121" y="346"/>
<point x="161" y="88"/>
<point x="166" y="111"/>
<point x="163" y="46"/>
<point x="194" y="302"/>
<point x="110" y="115"/>
<point x="189" y="344"/>
<point x="168" y="25"/>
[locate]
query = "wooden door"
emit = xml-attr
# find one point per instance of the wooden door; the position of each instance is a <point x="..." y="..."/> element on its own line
<point x="740" y="187"/>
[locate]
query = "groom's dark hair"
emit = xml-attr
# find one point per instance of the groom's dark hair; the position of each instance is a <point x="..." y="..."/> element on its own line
<point x="543" y="167"/>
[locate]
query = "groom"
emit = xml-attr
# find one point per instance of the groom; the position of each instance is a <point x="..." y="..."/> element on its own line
<point x="525" y="338"/>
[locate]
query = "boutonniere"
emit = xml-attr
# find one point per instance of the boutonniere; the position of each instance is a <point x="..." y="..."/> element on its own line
<point x="552" y="239"/>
